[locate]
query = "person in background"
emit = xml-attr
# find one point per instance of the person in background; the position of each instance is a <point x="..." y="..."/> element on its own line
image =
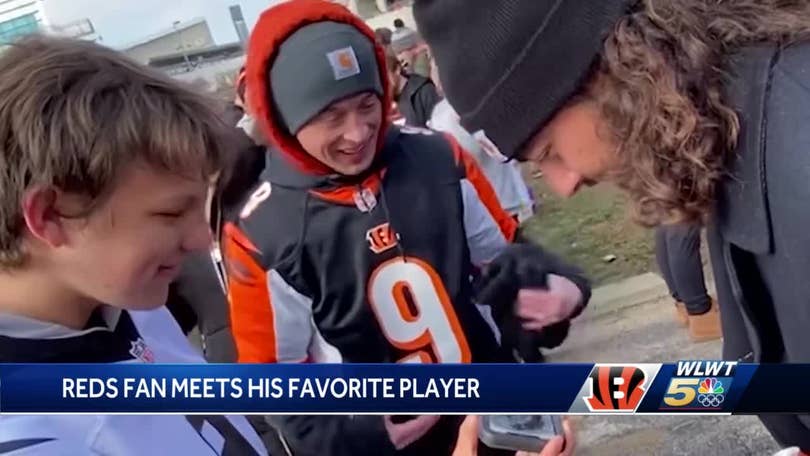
<point x="696" y="108"/>
<point x="383" y="35"/>
<point x="677" y="249"/>
<point x="403" y="36"/>
<point x="410" y="49"/>
<point x="505" y="176"/>
<point x="236" y="109"/>
<point x="105" y="170"/>
<point x="415" y="96"/>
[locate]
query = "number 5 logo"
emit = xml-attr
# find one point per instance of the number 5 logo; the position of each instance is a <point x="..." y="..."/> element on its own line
<point x="415" y="313"/>
<point x="681" y="392"/>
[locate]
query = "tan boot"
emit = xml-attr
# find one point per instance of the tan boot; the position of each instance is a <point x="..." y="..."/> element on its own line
<point x="705" y="327"/>
<point x="680" y="314"/>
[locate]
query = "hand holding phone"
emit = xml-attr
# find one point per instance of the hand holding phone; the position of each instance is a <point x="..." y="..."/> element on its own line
<point x="559" y="445"/>
<point x="519" y="432"/>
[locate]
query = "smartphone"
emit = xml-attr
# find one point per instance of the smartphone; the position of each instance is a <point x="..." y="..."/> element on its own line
<point x="519" y="432"/>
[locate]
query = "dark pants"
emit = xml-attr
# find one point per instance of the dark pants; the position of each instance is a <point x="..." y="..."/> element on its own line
<point x="677" y="249"/>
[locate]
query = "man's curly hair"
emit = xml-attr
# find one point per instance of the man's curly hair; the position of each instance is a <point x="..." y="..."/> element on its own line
<point x="659" y="85"/>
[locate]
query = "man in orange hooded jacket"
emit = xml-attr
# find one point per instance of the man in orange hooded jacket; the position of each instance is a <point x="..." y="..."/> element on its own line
<point x="359" y="241"/>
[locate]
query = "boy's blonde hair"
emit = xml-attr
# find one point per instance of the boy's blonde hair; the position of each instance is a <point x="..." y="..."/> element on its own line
<point x="74" y="113"/>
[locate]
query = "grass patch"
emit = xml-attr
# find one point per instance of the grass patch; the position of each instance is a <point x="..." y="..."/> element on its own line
<point x="589" y="226"/>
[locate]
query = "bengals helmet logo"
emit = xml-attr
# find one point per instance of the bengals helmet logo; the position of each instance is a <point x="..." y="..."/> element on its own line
<point x="381" y="238"/>
<point x="616" y="388"/>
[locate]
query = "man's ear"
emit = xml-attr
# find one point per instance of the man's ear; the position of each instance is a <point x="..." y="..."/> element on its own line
<point x="42" y="218"/>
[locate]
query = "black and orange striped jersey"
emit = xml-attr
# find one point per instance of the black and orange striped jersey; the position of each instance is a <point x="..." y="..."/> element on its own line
<point x="374" y="272"/>
<point x="371" y="268"/>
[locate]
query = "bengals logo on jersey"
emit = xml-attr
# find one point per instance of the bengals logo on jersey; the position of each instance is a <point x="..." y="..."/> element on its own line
<point x="381" y="238"/>
<point x="616" y="388"/>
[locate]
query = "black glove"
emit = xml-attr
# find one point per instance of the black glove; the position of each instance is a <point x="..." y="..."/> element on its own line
<point x="525" y="266"/>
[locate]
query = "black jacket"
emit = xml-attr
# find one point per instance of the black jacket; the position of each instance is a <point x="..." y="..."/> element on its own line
<point x="309" y="247"/>
<point x="310" y="266"/>
<point x="417" y="100"/>
<point x="759" y="238"/>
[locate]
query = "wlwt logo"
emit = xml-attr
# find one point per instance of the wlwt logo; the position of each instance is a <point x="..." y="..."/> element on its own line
<point x="699" y="386"/>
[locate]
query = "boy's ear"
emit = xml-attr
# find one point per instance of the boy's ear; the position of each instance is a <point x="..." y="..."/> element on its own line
<point x="42" y="218"/>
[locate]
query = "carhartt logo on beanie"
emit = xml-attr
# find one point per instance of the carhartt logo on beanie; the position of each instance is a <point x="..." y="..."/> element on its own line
<point x="320" y="64"/>
<point x="344" y="63"/>
<point x="507" y="66"/>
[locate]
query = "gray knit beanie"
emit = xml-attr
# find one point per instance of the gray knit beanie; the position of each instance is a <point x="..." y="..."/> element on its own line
<point x="320" y="64"/>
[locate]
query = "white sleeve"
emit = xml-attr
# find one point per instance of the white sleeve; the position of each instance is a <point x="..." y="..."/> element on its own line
<point x="485" y="238"/>
<point x="445" y="119"/>
<point x="270" y="319"/>
<point x="43" y="435"/>
<point x="489" y="228"/>
<point x="127" y="435"/>
<point x="292" y="322"/>
<point x="124" y="435"/>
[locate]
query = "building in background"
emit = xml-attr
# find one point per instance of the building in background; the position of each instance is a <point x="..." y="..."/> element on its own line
<point x="81" y="29"/>
<point x="368" y="9"/>
<point x="215" y="65"/>
<point x="19" y="18"/>
<point x="239" y="23"/>
<point x="196" y="60"/>
<point x="182" y="38"/>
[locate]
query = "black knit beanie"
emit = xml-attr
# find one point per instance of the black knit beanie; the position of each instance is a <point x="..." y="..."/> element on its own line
<point x="507" y="66"/>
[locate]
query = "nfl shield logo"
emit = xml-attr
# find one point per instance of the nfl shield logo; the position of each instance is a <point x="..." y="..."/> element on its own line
<point x="142" y="351"/>
<point x="365" y="200"/>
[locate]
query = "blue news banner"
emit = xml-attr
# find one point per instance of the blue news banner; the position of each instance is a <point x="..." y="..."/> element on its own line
<point x="685" y="387"/>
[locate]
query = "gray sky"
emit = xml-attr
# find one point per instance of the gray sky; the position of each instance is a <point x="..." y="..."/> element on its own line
<point x="120" y="22"/>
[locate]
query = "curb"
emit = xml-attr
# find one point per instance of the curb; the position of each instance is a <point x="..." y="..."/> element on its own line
<point x="631" y="292"/>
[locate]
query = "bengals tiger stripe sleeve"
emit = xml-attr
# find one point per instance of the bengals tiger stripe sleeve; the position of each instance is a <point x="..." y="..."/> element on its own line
<point x="488" y="226"/>
<point x="271" y="322"/>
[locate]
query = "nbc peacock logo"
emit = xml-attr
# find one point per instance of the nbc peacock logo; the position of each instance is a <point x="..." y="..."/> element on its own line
<point x="711" y="393"/>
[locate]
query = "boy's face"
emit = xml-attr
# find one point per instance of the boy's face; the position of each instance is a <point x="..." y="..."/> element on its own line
<point x="344" y="136"/>
<point x="572" y="150"/>
<point x="128" y="250"/>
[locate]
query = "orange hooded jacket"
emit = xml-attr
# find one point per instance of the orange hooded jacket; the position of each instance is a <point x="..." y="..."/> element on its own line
<point x="274" y="26"/>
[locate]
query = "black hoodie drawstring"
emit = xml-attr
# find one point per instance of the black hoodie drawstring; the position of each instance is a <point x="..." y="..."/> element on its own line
<point x="400" y="240"/>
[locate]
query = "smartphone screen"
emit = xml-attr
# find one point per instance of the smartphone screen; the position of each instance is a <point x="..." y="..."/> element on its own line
<point x="519" y="432"/>
<point x="537" y="426"/>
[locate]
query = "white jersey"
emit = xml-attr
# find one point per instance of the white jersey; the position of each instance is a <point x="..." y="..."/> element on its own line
<point x="506" y="180"/>
<point x="116" y="337"/>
